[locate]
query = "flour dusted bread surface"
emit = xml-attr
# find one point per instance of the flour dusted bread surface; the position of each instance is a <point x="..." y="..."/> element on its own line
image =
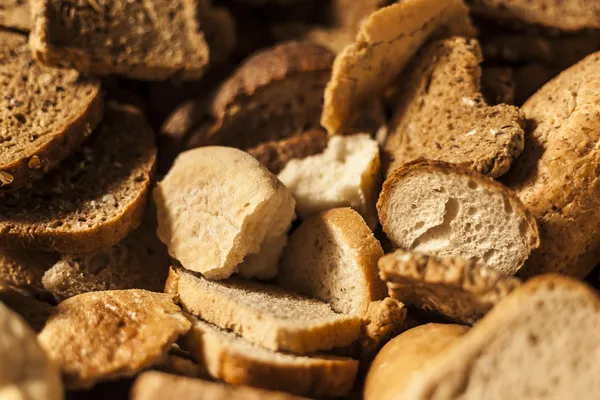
<point x="220" y="211"/>
<point x="23" y="269"/>
<point x="445" y="210"/>
<point x="45" y="113"/>
<point x="15" y="14"/>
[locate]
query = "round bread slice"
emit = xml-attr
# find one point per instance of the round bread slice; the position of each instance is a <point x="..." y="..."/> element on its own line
<point x="94" y="199"/>
<point x="447" y="210"/>
<point x="45" y="113"/>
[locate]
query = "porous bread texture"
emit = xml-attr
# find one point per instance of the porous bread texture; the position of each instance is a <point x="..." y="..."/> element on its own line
<point x="220" y="211"/>
<point x="556" y="177"/>
<point x="23" y="269"/>
<point x="459" y="289"/>
<point x="45" y="113"/>
<point x="94" y="199"/>
<point x="383" y="47"/>
<point x="101" y="336"/>
<point x="149" y="40"/>
<point x="346" y="174"/>
<point x="540" y="342"/>
<point x="333" y="257"/>
<point x="16" y="14"/>
<point x="236" y="361"/>
<point x="442" y="115"/>
<point x="446" y="210"/>
<point x="26" y="371"/>
<point x="264" y="314"/>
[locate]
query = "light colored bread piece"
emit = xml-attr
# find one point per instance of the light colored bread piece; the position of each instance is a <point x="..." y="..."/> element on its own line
<point x="446" y="210"/>
<point x="25" y="372"/>
<point x="346" y="174"/>
<point x="461" y="290"/>
<point x="384" y="45"/>
<point x="234" y="360"/>
<point x="45" y="113"/>
<point x="24" y="269"/>
<point x="220" y="211"/>
<point x="15" y="14"/>
<point x="264" y="314"/>
<point x="563" y="195"/>
<point x="333" y="257"/>
<point x="103" y="336"/>
<point x="34" y="311"/>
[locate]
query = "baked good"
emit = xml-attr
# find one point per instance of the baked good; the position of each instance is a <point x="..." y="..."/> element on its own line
<point x="350" y="14"/>
<point x="234" y="360"/>
<point x="333" y="38"/>
<point x="23" y="269"/>
<point x="498" y="85"/>
<point x="101" y="336"/>
<point x="459" y="289"/>
<point x="264" y="314"/>
<point x="220" y="211"/>
<point x="333" y="257"/>
<point x="33" y="311"/>
<point x="442" y="115"/>
<point x="179" y="363"/>
<point x="15" y="14"/>
<point x="45" y="113"/>
<point x="94" y="199"/>
<point x="446" y="210"/>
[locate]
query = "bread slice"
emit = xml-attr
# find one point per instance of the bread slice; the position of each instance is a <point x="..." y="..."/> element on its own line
<point x="23" y="269"/>
<point x="220" y="211"/>
<point x="33" y="311"/>
<point x="264" y="314"/>
<point x="445" y="210"/>
<point x="153" y="40"/>
<point x="180" y="365"/>
<point x="45" y="113"/>
<point x="346" y="174"/>
<point x="234" y="360"/>
<point x="15" y="14"/>
<point x="386" y="42"/>
<point x="441" y="114"/>
<point x="96" y="197"/>
<point x="333" y="257"/>
<point x="459" y="289"/>
<point x="498" y="85"/>
<point x="101" y="336"/>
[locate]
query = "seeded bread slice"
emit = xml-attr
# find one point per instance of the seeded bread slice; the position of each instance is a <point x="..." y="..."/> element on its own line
<point x="23" y="269"/>
<point x="45" y="113"/>
<point x="15" y="14"/>
<point x="94" y="199"/>
<point x="264" y="314"/>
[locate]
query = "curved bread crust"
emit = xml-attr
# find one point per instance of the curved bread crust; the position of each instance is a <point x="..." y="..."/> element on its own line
<point x="16" y="14"/>
<point x="23" y="269"/>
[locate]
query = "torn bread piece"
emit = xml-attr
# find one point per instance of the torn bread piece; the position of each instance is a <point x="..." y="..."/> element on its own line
<point x="220" y="211"/>
<point x="446" y="210"/>
<point x="23" y="269"/>
<point x="384" y="45"/>
<point x="16" y="14"/>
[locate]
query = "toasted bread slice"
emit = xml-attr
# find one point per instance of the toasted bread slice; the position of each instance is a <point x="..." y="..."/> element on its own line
<point x="445" y="210"/>
<point x="16" y="14"/>
<point x="94" y="199"/>
<point x="23" y="269"/>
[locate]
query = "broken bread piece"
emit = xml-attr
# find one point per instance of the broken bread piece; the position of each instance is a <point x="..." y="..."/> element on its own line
<point x="459" y="289"/>
<point x="447" y="210"/>
<point x="103" y="336"/>
<point x="264" y="314"/>
<point x="234" y="360"/>
<point x="16" y="14"/>
<point x="220" y="211"/>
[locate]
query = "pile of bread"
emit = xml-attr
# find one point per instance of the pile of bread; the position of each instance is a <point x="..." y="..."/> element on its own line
<point x="269" y="199"/>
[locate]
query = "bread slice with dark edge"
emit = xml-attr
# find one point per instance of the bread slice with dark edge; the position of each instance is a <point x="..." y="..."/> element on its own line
<point x="232" y="359"/>
<point x="457" y="288"/>
<point x="498" y="85"/>
<point x="15" y="14"/>
<point x="446" y="210"/>
<point x="441" y="114"/>
<point x="34" y="311"/>
<point x="24" y="269"/>
<point x="96" y="197"/>
<point x="45" y="113"/>
<point x="264" y="314"/>
<point x="149" y="40"/>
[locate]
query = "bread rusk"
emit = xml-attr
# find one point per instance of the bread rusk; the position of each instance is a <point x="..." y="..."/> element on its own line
<point x="16" y="14"/>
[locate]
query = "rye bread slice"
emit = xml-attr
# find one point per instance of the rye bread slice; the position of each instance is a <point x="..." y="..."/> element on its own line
<point x="23" y="269"/>
<point x="150" y="40"/>
<point x="94" y="199"/>
<point x="15" y="14"/>
<point x="442" y="115"/>
<point x="45" y="113"/>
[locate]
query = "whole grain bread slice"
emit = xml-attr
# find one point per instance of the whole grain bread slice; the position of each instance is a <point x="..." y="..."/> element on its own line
<point x="23" y="269"/>
<point x="45" y="113"/>
<point x="94" y="199"/>
<point x="15" y="14"/>
<point x="33" y="311"/>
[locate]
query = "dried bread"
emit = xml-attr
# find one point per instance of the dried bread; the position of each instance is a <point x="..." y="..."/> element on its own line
<point x="333" y="257"/>
<point x="150" y="40"/>
<point x="94" y="199"/>
<point x="102" y="336"/>
<point x="459" y="289"/>
<point x="442" y="115"/>
<point x="220" y="211"/>
<point x="45" y="113"/>
<point x="15" y="14"/>
<point x="23" y="269"/>
<point x="386" y="42"/>
<point x="446" y="210"/>
<point x="234" y="360"/>
<point x="264" y="314"/>
<point x="26" y="372"/>
<point x="346" y="174"/>
<point x="33" y="311"/>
